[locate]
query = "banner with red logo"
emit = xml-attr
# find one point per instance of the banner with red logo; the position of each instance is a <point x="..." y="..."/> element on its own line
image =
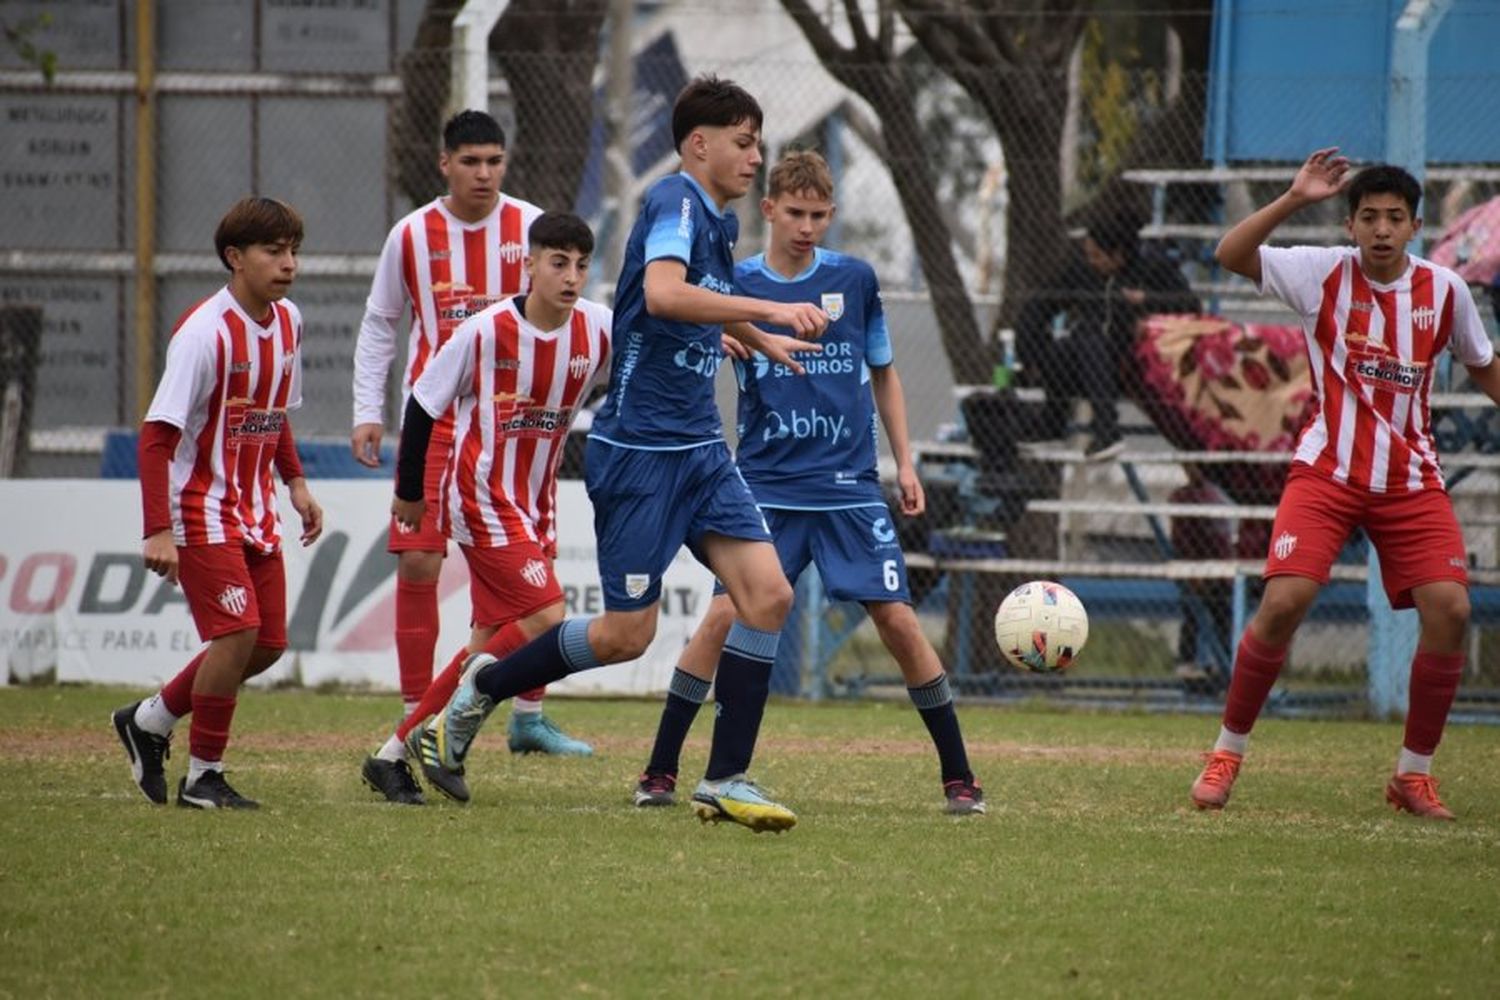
<point x="76" y="603"/>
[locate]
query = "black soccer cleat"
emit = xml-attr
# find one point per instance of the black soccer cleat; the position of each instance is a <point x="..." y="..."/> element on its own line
<point x="211" y="791"/>
<point x="394" y="780"/>
<point x="146" y="752"/>
<point x="655" y="790"/>
<point x="964" y="797"/>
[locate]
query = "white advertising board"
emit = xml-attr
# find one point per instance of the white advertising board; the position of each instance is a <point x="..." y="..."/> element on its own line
<point x="75" y="598"/>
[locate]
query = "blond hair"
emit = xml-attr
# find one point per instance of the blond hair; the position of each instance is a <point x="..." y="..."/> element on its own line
<point x="801" y="171"/>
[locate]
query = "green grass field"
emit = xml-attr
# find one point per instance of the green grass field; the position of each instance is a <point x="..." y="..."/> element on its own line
<point x="1091" y="876"/>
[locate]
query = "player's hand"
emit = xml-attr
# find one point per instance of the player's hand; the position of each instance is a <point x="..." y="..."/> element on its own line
<point x="1135" y="296"/>
<point x="734" y="348"/>
<point x="365" y="442"/>
<point x="913" y="497"/>
<point x="308" y="509"/>
<point x="782" y="350"/>
<point x="1322" y="176"/>
<point x="160" y="555"/>
<point x="408" y="513"/>
<point x="804" y="319"/>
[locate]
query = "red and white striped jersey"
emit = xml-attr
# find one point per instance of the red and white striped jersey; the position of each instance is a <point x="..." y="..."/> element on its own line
<point x="447" y="270"/>
<point x="228" y="384"/>
<point x="1372" y="349"/>
<point x="516" y="389"/>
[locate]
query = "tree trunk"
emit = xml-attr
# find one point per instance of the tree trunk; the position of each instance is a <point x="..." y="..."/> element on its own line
<point x="548" y="49"/>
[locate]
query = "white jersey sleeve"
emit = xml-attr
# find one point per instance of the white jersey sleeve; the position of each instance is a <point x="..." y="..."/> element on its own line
<point x="450" y="373"/>
<point x="294" y="391"/>
<point x="1295" y="275"/>
<point x="1470" y="343"/>
<point x="375" y="350"/>
<point x="188" y="377"/>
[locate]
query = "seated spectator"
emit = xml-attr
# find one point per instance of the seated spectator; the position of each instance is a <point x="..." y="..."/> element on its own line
<point x="1103" y="292"/>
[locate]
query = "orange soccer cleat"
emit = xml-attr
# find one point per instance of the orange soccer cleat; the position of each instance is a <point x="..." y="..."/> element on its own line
<point x="1211" y="790"/>
<point x="1416" y="794"/>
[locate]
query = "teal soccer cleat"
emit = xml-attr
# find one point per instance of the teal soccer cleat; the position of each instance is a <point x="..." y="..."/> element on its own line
<point x="533" y="732"/>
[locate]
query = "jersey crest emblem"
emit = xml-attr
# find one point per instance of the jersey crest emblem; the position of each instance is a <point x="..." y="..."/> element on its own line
<point x="534" y="572"/>
<point x="636" y="584"/>
<point x="833" y="305"/>
<point x="578" y="366"/>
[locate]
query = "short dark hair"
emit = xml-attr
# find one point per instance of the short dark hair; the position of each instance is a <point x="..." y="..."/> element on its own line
<point x="1384" y="179"/>
<point x="257" y="220"/>
<point x="1117" y="232"/>
<point x="711" y="101"/>
<point x="472" y="128"/>
<point x="560" y="231"/>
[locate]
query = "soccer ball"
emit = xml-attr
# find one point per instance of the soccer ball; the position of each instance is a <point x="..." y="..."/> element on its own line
<point x="1041" y="626"/>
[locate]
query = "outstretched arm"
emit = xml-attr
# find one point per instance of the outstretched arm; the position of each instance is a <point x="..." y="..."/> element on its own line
<point x="670" y="296"/>
<point x="1321" y="177"/>
<point x="890" y="403"/>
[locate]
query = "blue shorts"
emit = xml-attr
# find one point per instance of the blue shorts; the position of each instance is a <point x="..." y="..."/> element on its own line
<point x="855" y="549"/>
<point x="648" y="504"/>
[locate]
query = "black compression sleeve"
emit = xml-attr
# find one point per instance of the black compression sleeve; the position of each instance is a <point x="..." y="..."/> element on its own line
<point x="411" y="457"/>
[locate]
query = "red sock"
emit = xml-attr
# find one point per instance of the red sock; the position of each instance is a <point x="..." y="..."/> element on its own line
<point x="436" y="695"/>
<point x="1434" y="682"/>
<point x="535" y="694"/>
<point x="1256" y="667"/>
<point x="177" y="693"/>
<point x="506" y="641"/>
<point x="209" y="734"/>
<point x="416" y="636"/>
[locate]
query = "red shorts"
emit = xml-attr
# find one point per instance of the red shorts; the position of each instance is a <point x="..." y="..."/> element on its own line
<point x="509" y="583"/>
<point x="429" y="537"/>
<point x="230" y="588"/>
<point x="1415" y="534"/>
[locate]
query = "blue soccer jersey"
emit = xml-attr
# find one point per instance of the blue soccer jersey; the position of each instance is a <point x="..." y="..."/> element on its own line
<point x="809" y="442"/>
<point x="661" y="389"/>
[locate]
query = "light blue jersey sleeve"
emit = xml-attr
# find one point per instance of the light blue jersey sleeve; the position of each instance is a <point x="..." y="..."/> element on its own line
<point x="878" y="353"/>
<point x="669" y="234"/>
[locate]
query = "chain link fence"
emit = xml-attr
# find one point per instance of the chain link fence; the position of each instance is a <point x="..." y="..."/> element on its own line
<point x="970" y="186"/>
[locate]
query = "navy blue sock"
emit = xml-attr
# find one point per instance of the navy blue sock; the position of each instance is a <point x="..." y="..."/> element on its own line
<point x="934" y="703"/>
<point x="685" y="695"/>
<point x="561" y="650"/>
<point x="742" y="685"/>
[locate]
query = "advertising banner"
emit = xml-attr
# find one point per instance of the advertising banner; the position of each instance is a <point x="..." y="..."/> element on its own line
<point x="76" y="603"/>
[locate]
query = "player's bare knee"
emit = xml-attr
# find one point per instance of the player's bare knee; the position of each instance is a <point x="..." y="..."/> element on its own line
<point x="1446" y="615"/>
<point x="263" y="658"/>
<point x="546" y="618"/>
<point x="617" y="640"/>
<point x="415" y="566"/>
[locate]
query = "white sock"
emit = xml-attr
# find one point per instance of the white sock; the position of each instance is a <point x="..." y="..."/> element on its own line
<point x="1413" y="763"/>
<point x="152" y="716"/>
<point x="197" y="767"/>
<point x="525" y="706"/>
<point x="392" y="750"/>
<point x="408" y="707"/>
<point x="1231" y="741"/>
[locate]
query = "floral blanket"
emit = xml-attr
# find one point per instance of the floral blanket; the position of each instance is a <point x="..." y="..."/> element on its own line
<point x="1212" y="385"/>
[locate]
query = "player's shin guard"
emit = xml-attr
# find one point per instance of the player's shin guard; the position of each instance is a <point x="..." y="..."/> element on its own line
<point x="177" y="693"/>
<point x="416" y="637"/>
<point x="209" y="734"/>
<point x="743" y="684"/>
<point x="1256" y="667"/>
<point x="934" y="702"/>
<point x="561" y="650"/>
<point x="685" y="695"/>
<point x="1434" y="683"/>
